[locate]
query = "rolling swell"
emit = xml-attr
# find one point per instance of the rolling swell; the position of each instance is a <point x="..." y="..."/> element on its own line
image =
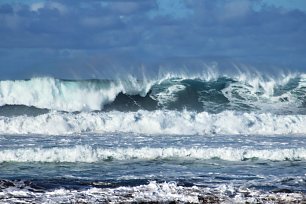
<point x="240" y="93"/>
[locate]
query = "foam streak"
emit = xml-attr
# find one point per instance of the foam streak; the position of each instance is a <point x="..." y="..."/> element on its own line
<point x="90" y="154"/>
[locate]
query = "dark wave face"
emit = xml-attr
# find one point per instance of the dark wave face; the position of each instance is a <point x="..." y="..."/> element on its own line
<point x="15" y="110"/>
<point x="214" y="95"/>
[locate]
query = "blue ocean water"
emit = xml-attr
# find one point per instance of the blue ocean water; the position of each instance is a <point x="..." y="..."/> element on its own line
<point x="200" y="139"/>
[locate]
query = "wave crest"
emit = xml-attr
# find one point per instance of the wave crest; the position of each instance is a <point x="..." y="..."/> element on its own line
<point x="286" y="94"/>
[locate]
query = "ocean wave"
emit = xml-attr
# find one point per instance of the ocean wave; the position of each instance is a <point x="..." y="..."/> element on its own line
<point x="66" y="95"/>
<point x="90" y="154"/>
<point x="198" y="93"/>
<point x="155" y="122"/>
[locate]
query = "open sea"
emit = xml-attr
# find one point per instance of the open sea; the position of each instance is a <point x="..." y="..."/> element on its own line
<point x="175" y="139"/>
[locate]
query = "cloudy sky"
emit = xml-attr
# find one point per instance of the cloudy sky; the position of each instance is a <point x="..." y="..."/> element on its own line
<point x="97" y="38"/>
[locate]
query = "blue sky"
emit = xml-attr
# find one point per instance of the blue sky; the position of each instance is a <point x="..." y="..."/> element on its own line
<point x="97" y="39"/>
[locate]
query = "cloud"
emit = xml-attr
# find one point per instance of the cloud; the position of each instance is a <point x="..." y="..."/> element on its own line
<point x="6" y="9"/>
<point x="152" y="30"/>
<point x="48" y="5"/>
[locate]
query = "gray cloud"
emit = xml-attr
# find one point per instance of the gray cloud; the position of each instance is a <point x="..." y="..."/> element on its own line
<point x="121" y="30"/>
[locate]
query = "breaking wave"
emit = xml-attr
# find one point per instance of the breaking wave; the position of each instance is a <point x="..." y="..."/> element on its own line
<point x="90" y="154"/>
<point x="197" y="93"/>
<point x="155" y="122"/>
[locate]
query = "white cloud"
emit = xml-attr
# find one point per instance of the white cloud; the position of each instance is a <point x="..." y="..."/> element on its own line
<point x="50" y="5"/>
<point x="36" y="6"/>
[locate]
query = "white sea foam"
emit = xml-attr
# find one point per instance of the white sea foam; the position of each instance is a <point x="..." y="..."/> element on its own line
<point x="153" y="192"/>
<point x="169" y="94"/>
<point x="89" y="154"/>
<point x="155" y="122"/>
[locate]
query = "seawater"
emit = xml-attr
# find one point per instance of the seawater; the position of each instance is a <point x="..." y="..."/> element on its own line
<point x="134" y="167"/>
<point x="197" y="140"/>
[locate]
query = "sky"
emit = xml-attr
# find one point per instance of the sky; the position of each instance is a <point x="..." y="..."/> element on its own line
<point x="101" y="38"/>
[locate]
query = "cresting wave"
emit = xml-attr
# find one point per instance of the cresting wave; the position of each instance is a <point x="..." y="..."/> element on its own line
<point x="66" y="95"/>
<point x="210" y="93"/>
<point x="155" y="122"/>
<point x="90" y="154"/>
